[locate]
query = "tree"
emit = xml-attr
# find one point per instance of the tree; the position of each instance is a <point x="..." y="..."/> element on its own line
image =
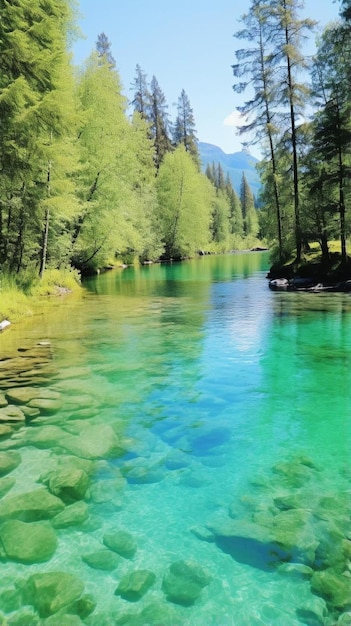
<point x="35" y="117"/>
<point x="184" y="129"/>
<point x="103" y="47"/>
<point x="255" y="64"/>
<point x="290" y="33"/>
<point x="332" y="122"/>
<point x="248" y="208"/>
<point x="159" y="123"/>
<point x="142" y="97"/>
<point x="185" y="199"/>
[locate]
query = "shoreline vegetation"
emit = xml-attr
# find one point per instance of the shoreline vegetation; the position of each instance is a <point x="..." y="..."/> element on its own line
<point x="18" y="301"/>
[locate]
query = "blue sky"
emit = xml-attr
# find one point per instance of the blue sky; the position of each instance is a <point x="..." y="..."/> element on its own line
<point x="186" y="44"/>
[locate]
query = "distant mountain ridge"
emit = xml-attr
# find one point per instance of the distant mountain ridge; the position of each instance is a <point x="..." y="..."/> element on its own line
<point x="233" y="164"/>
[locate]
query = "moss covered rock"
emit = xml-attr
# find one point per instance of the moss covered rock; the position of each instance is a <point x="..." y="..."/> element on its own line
<point x="72" y="515"/>
<point x="9" y="461"/>
<point x="184" y="581"/>
<point x="51" y="592"/>
<point x="133" y="586"/>
<point x="68" y="484"/>
<point x="333" y="587"/>
<point x="30" y="507"/>
<point x="102" y="559"/>
<point x="121" y="542"/>
<point x="27" y="543"/>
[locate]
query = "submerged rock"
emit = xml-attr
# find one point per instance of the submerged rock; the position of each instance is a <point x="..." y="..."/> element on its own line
<point x="9" y="461"/>
<point x="28" y="543"/>
<point x="121" y="542"/>
<point x="6" y="485"/>
<point x="184" y="581"/>
<point x="68" y="484"/>
<point x="134" y="586"/>
<point x="51" y="592"/>
<point x="334" y="587"/>
<point x="72" y="515"/>
<point x="102" y="559"/>
<point x="21" y="395"/>
<point x="11" y="414"/>
<point x="95" y="442"/>
<point x="31" y="506"/>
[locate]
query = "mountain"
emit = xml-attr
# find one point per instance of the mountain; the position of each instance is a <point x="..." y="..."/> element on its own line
<point x="234" y="164"/>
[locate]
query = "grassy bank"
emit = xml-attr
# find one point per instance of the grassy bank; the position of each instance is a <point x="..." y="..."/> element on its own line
<point x="19" y="295"/>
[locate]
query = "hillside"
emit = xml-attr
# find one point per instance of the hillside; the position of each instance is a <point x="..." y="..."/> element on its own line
<point x="234" y="164"/>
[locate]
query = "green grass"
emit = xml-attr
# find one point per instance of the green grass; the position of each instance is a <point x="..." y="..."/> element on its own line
<point x="19" y="296"/>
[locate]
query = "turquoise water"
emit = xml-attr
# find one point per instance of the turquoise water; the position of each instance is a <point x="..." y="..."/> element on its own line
<point x="218" y="389"/>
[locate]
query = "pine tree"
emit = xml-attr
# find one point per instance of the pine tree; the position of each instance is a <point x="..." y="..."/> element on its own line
<point x="142" y="97"/>
<point x="159" y="122"/>
<point x="184" y="129"/>
<point x="250" y="218"/>
<point x="103" y="47"/>
<point x="35" y="116"/>
<point x="255" y="64"/>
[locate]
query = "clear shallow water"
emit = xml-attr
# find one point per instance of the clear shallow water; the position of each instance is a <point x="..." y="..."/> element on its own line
<point x="210" y="380"/>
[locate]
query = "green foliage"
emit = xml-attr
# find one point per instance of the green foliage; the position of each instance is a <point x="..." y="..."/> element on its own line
<point x="185" y="200"/>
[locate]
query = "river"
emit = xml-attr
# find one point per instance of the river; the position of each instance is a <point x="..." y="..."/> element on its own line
<point x="212" y="417"/>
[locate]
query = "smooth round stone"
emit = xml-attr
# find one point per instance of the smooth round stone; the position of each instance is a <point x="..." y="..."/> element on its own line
<point x="21" y="395"/>
<point x="28" y="543"/>
<point x="29" y="412"/>
<point x="9" y="461"/>
<point x="3" y="401"/>
<point x="121" y="542"/>
<point x="69" y="484"/>
<point x="72" y="515"/>
<point x="102" y="560"/>
<point x="6" y="485"/>
<point x="5" y="430"/>
<point x="50" y="592"/>
<point x="46" y="405"/>
<point x="31" y="506"/>
<point x="11" y="414"/>
<point x="134" y="586"/>
<point x="184" y="581"/>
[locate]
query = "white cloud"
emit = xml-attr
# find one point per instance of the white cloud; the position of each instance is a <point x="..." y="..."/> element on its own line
<point x="235" y="119"/>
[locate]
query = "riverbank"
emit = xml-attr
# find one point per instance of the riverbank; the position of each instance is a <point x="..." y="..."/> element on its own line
<point x="312" y="274"/>
<point x="18" y="300"/>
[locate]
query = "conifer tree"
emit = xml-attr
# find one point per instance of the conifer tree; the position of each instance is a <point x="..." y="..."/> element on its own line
<point x="184" y="128"/>
<point x="159" y="122"/>
<point x="35" y="116"/>
<point x="103" y="47"/>
<point x="249" y="212"/>
<point x="142" y="97"/>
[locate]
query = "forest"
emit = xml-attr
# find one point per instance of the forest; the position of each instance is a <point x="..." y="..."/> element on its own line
<point x="89" y="179"/>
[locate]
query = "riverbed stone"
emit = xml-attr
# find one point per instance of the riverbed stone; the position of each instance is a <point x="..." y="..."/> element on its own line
<point x="296" y="570"/>
<point x="97" y="441"/>
<point x="313" y="611"/>
<point x="292" y="473"/>
<point x="133" y="586"/>
<point x="68" y="484"/>
<point x="31" y="506"/>
<point x="121" y="542"/>
<point x="335" y="588"/>
<point x="11" y="414"/>
<point x="28" y="543"/>
<point x="344" y="619"/>
<point x="21" y="395"/>
<point x="3" y="401"/>
<point x="5" y="431"/>
<point x="44" y="437"/>
<point x="6" y="485"/>
<point x="50" y="592"/>
<point x="293" y="530"/>
<point x="73" y="515"/>
<point x="46" y="405"/>
<point x="26" y="616"/>
<point x="9" y="461"/>
<point x="103" y="559"/>
<point x="184" y="582"/>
